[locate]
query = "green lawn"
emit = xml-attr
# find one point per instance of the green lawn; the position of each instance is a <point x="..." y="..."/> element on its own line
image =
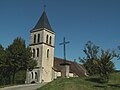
<point x="83" y="83"/>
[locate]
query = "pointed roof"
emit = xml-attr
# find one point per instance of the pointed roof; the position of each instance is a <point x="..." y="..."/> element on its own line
<point x="43" y="22"/>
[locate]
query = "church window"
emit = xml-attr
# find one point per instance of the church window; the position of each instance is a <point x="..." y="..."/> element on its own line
<point x="47" y="39"/>
<point x="50" y="40"/>
<point x="48" y="53"/>
<point x="33" y="53"/>
<point x="32" y="74"/>
<point x="34" y="38"/>
<point x="37" y="52"/>
<point x="38" y="38"/>
<point x="35" y="75"/>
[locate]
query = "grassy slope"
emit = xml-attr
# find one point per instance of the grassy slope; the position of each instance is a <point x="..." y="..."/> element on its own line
<point x="83" y="83"/>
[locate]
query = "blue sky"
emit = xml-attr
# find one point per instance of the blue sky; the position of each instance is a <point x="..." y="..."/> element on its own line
<point x="78" y="20"/>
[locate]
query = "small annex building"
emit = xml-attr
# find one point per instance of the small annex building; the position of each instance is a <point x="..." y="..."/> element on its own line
<point x="76" y="70"/>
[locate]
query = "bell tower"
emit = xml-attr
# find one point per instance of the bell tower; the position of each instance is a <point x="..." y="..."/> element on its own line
<point x="42" y="46"/>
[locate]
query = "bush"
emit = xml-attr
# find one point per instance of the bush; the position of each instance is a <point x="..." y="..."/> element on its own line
<point x="20" y="77"/>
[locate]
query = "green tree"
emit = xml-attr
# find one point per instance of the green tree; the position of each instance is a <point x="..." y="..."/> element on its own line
<point x="105" y="65"/>
<point x="2" y="54"/>
<point x="4" y="72"/>
<point x="97" y="63"/>
<point x="2" y="64"/>
<point x="20" y="77"/>
<point x="19" y="57"/>
<point x="91" y="51"/>
<point x="116" y="52"/>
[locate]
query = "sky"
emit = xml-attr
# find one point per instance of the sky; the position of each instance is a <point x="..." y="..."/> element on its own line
<point x="77" y="20"/>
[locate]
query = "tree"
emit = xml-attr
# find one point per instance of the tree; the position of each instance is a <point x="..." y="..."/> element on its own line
<point x="2" y="54"/>
<point x="97" y="63"/>
<point x="4" y="75"/>
<point x="91" y="52"/>
<point x="116" y="52"/>
<point x="105" y="65"/>
<point x="19" y="57"/>
<point x="2" y="63"/>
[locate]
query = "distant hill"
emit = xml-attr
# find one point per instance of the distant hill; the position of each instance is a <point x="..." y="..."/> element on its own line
<point x="84" y="83"/>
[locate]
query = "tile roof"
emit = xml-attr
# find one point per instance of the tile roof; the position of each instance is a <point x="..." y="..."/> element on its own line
<point x="75" y="68"/>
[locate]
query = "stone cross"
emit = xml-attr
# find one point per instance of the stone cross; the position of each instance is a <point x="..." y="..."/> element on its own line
<point x="64" y="47"/>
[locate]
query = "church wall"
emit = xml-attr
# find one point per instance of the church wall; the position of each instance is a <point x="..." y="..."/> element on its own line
<point x="71" y="75"/>
<point x="50" y="34"/>
<point x="58" y="74"/>
<point x="42" y="46"/>
<point x="47" y="63"/>
<point x="32" y="76"/>
<point x="44" y="60"/>
<point x="47" y="58"/>
<point x="43" y="35"/>
<point x="54" y="74"/>
<point x="36" y="33"/>
<point x="39" y="58"/>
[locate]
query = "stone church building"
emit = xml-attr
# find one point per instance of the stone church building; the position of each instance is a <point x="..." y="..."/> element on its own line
<point x="42" y="45"/>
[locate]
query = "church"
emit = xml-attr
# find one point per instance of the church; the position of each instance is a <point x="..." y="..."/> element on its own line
<point x="48" y="66"/>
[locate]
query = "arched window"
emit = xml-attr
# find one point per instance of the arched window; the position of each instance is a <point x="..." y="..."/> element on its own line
<point x="38" y="38"/>
<point x="32" y="74"/>
<point x="35" y="75"/>
<point x="48" y="53"/>
<point x="33" y="53"/>
<point x="50" y="40"/>
<point x="37" y="52"/>
<point x="34" y="38"/>
<point x="47" y="39"/>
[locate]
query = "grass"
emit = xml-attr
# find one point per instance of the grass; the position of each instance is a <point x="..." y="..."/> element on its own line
<point x="84" y="83"/>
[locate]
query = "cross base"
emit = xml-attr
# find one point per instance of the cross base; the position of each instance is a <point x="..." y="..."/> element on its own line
<point x="65" y="68"/>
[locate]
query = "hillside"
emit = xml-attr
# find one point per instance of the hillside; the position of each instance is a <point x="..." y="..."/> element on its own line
<point x="83" y="83"/>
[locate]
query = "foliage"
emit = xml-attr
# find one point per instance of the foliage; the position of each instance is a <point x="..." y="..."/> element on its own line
<point x="4" y="73"/>
<point x="20" y="77"/>
<point x="18" y="57"/>
<point x="97" y="63"/>
<point x="91" y="51"/>
<point x="116" y="52"/>
<point x="83" y="83"/>
<point x="105" y="65"/>
<point x="14" y="59"/>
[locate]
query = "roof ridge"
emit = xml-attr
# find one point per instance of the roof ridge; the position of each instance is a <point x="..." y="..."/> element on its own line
<point x="63" y="59"/>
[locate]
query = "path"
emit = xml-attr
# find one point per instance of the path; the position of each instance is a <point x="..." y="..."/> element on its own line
<point x="24" y="87"/>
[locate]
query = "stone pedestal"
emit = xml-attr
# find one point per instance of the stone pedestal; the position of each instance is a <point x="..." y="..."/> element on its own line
<point x="65" y="68"/>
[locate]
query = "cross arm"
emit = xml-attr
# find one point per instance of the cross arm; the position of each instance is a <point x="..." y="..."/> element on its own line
<point x="64" y="43"/>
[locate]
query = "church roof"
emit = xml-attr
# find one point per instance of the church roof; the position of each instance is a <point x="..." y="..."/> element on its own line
<point x="43" y="22"/>
<point x="75" y="68"/>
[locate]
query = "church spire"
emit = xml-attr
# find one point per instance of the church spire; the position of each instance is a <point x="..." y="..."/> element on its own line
<point x="43" y="22"/>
